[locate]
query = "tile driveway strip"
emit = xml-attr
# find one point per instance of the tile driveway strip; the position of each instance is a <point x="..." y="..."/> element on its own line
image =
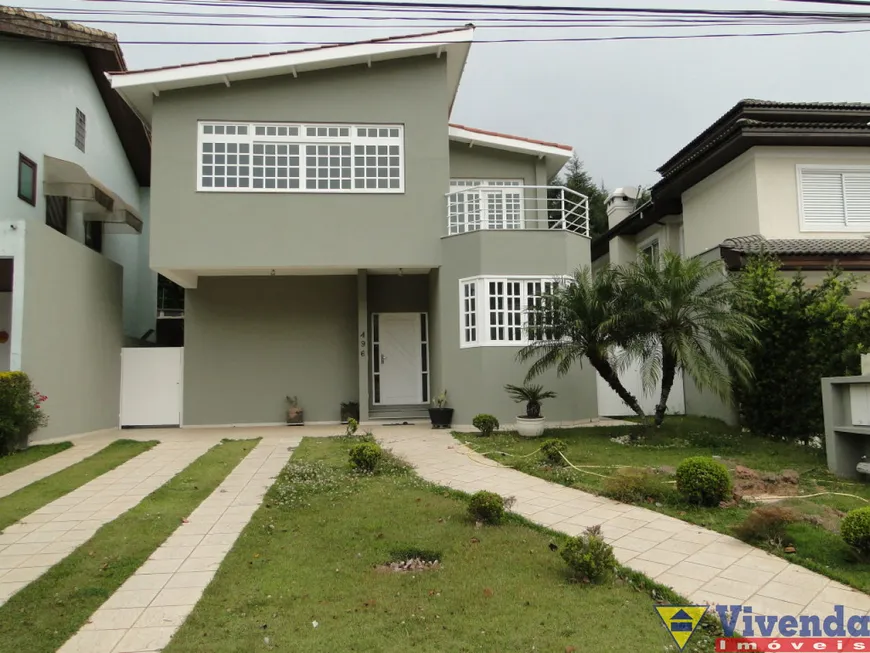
<point x="14" y="481"/>
<point x="702" y="565"/>
<point x="45" y="537"/>
<point x="149" y="607"/>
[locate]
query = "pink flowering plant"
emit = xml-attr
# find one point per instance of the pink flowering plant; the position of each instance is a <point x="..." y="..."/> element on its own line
<point x="21" y="411"/>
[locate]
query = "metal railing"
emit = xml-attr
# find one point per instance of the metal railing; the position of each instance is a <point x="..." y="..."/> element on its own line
<point x="511" y="207"/>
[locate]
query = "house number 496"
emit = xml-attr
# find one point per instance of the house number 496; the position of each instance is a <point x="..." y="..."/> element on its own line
<point x="362" y="344"/>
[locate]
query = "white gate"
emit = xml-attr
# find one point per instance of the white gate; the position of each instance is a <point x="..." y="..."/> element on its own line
<point x="151" y="386"/>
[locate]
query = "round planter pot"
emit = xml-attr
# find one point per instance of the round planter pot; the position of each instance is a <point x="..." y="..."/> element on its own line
<point x="530" y="427"/>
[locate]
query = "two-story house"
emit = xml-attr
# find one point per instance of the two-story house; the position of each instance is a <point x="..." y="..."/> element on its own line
<point x="74" y="176"/>
<point x="792" y="179"/>
<point x="339" y="240"/>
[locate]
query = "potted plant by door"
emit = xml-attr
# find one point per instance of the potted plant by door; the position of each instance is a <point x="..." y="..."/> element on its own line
<point x="531" y="424"/>
<point x="349" y="410"/>
<point x="294" y="412"/>
<point x="439" y="414"/>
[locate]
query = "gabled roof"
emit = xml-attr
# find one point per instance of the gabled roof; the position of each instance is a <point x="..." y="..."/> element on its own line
<point x="102" y="53"/>
<point x="139" y="87"/>
<point x="556" y="154"/>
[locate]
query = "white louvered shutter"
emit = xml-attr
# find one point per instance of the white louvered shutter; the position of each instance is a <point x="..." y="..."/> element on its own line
<point x="822" y="199"/>
<point x="857" y="190"/>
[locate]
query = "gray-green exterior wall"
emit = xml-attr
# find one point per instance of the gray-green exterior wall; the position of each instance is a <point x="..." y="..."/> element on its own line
<point x="72" y="331"/>
<point x="212" y="230"/>
<point x="251" y="341"/>
<point x="474" y="377"/>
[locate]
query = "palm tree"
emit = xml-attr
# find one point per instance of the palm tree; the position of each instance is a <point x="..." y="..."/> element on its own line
<point x="681" y="311"/>
<point x="574" y="322"/>
<point x="533" y="395"/>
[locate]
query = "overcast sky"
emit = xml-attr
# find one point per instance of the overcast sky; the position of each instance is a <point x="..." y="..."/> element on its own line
<point x="624" y="106"/>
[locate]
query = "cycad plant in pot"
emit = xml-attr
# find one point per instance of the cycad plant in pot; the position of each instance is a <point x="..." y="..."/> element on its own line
<point x="532" y="423"/>
<point x="439" y="414"/>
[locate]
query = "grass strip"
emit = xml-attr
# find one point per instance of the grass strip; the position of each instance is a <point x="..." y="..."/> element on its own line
<point x="46" y="613"/>
<point x="303" y="576"/>
<point x="19" y="459"/>
<point x="18" y="505"/>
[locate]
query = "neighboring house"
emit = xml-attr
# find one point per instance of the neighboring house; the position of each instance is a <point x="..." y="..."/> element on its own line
<point x="74" y="176"/>
<point x="789" y="178"/>
<point x="339" y="240"/>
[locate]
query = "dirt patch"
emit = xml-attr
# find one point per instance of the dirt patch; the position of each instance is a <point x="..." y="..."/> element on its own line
<point x="749" y="482"/>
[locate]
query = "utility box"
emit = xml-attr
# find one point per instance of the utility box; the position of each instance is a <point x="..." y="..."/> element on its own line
<point x="846" y="402"/>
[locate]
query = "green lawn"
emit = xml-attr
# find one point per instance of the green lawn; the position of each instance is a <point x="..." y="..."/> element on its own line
<point x="19" y="459"/>
<point x="43" y="615"/>
<point x="303" y="577"/>
<point x="591" y="449"/>
<point x="18" y="505"/>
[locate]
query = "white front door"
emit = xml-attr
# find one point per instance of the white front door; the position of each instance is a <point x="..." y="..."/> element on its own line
<point x="400" y="358"/>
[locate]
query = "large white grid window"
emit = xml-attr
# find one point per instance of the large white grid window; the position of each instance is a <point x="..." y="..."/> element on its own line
<point x="834" y="198"/>
<point x="505" y="311"/>
<point x="299" y="158"/>
<point x="487" y="204"/>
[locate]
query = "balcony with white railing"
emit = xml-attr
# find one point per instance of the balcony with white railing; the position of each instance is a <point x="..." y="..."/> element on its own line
<point x="512" y="206"/>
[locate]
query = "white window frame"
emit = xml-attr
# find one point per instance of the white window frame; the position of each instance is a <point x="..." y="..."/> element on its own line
<point x="486" y="189"/>
<point x="648" y="244"/>
<point x="302" y="139"/>
<point x="861" y="227"/>
<point x="482" y="309"/>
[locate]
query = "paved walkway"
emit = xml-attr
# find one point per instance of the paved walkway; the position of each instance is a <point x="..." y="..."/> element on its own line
<point x="703" y="566"/>
<point x="43" y="538"/>
<point x="150" y="606"/>
<point x="14" y="481"/>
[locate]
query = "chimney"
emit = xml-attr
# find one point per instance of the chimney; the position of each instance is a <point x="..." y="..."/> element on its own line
<point x="620" y="204"/>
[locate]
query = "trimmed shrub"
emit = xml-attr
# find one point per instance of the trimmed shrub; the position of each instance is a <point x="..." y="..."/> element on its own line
<point x="487" y="507"/>
<point x="20" y="411"/>
<point x="765" y="524"/>
<point x="352" y="426"/>
<point x="552" y="450"/>
<point x="589" y="557"/>
<point x="703" y="481"/>
<point x="365" y="456"/>
<point x="855" y="529"/>
<point x="484" y="423"/>
<point x="633" y="485"/>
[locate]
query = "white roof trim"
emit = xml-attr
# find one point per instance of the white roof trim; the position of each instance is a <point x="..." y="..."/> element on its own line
<point x="139" y="88"/>
<point x="557" y="155"/>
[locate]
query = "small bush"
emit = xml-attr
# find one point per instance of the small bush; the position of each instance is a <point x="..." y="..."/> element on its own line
<point x="634" y="485"/>
<point x="352" y="426"/>
<point x="765" y="524"/>
<point x="487" y="507"/>
<point x="20" y="410"/>
<point x="703" y="481"/>
<point x="484" y="423"/>
<point x="589" y="557"/>
<point x="552" y="450"/>
<point x="365" y="456"/>
<point x="855" y="529"/>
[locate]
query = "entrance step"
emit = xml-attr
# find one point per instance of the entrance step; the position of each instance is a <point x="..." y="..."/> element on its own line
<point x="413" y="413"/>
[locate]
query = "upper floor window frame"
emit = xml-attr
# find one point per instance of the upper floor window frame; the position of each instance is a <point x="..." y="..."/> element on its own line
<point x="851" y="196"/>
<point x="650" y="248"/>
<point x="279" y="157"/>
<point x="475" y="204"/>
<point x="27" y="169"/>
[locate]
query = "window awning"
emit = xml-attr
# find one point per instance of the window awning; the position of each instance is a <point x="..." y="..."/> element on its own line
<point x="100" y="204"/>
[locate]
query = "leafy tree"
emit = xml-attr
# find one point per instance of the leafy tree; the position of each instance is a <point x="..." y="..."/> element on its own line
<point x="577" y="325"/>
<point x="805" y="334"/>
<point x="679" y="314"/>
<point x="577" y="179"/>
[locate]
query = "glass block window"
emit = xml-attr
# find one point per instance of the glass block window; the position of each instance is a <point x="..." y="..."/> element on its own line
<point x="81" y="129"/>
<point x="510" y="311"/>
<point x="282" y="157"/>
